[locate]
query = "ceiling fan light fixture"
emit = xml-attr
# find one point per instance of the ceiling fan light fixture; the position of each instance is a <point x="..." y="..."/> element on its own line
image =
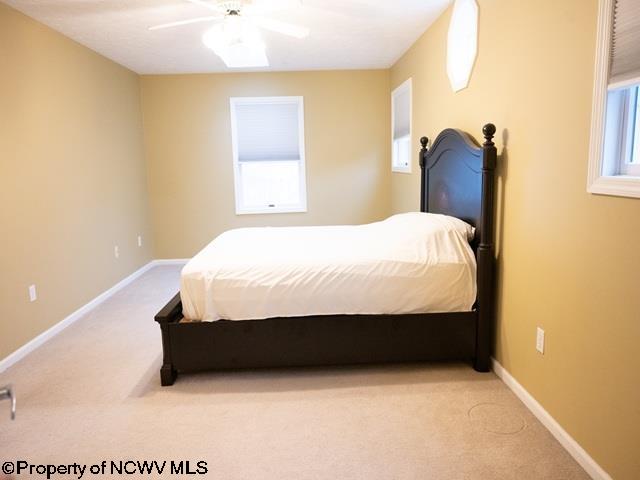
<point x="237" y="42"/>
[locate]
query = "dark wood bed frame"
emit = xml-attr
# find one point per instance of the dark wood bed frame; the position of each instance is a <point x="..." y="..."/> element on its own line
<point x="457" y="180"/>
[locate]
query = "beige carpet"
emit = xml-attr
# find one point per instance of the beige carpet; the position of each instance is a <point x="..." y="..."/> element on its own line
<point x="92" y="393"/>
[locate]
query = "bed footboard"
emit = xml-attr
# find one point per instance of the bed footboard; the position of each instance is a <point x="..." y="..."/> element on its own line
<point x="311" y="341"/>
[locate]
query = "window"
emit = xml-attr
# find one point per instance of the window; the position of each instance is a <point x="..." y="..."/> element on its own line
<point x="268" y="154"/>
<point x="620" y="148"/>
<point x="401" y="128"/>
<point x="614" y="159"/>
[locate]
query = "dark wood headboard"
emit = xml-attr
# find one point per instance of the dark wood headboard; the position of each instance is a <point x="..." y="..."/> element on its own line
<point x="458" y="180"/>
<point x="457" y="177"/>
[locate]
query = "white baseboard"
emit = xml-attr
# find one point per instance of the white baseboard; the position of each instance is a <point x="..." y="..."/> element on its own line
<point x="23" y="351"/>
<point x="594" y="470"/>
<point x="171" y="261"/>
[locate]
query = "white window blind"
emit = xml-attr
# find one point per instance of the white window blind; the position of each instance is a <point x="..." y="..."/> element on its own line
<point x="625" y="47"/>
<point x="267" y="131"/>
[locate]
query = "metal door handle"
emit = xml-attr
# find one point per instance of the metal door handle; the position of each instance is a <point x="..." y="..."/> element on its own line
<point x="7" y="392"/>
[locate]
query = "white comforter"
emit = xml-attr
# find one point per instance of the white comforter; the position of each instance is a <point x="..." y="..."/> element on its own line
<point x="408" y="263"/>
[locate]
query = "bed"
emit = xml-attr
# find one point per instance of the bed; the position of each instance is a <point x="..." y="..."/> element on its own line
<point x="311" y="296"/>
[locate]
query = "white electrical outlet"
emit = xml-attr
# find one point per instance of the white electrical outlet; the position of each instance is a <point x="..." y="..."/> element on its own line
<point x="540" y="340"/>
<point x="33" y="295"/>
<point x="116" y="251"/>
<point x="139" y="240"/>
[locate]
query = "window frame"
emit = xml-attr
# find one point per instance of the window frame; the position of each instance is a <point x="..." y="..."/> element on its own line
<point x="404" y="86"/>
<point x="630" y="160"/>
<point x="597" y="181"/>
<point x="302" y="176"/>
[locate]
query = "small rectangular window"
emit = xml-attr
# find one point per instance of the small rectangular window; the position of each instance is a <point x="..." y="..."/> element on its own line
<point x="401" y="128"/>
<point x="268" y="154"/>
<point x="614" y="153"/>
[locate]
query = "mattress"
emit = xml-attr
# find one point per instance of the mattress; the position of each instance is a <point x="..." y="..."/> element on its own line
<point x="408" y="263"/>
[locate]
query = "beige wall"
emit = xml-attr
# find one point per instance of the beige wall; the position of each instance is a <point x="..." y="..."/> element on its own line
<point x="188" y="148"/>
<point x="568" y="261"/>
<point x="73" y="177"/>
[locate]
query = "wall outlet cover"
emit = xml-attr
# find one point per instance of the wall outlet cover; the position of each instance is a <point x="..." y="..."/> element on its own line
<point x="540" y="340"/>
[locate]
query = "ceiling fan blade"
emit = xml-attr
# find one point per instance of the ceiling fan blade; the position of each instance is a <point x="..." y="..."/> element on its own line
<point x="205" y="5"/>
<point x="281" y="27"/>
<point x="186" y="22"/>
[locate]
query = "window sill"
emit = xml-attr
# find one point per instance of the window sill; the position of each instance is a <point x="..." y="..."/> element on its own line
<point x="619" y="186"/>
<point x="263" y="211"/>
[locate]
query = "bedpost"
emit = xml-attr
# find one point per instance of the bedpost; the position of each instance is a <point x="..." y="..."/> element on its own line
<point x="486" y="256"/>
<point x="170" y="313"/>
<point x="168" y="373"/>
<point x="424" y="141"/>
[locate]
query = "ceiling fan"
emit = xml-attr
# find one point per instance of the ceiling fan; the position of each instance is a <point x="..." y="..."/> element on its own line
<point x="235" y="37"/>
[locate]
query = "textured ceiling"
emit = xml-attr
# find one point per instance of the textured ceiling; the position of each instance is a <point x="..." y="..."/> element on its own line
<point x="345" y="34"/>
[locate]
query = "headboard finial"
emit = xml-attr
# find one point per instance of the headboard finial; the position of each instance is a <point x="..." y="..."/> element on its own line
<point x="489" y="130"/>
<point x="424" y="141"/>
